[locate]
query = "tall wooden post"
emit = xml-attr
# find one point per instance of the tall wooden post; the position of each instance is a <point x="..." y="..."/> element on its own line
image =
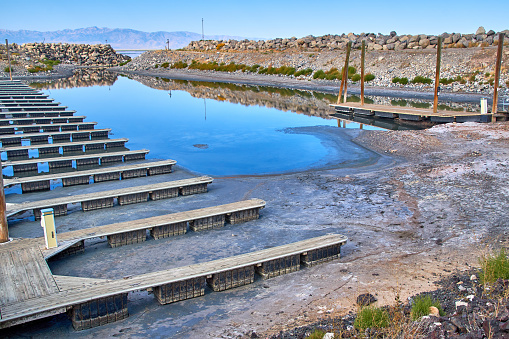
<point x="494" y="108"/>
<point x="437" y="74"/>
<point x="8" y="59"/>
<point x="344" y="74"/>
<point x="363" y="52"/>
<point x="4" y="229"/>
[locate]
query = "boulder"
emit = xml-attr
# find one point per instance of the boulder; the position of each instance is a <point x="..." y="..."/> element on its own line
<point x="424" y="43"/>
<point x="480" y="30"/>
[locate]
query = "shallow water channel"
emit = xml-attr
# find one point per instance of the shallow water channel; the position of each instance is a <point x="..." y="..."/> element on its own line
<point x="210" y="135"/>
<point x="218" y="129"/>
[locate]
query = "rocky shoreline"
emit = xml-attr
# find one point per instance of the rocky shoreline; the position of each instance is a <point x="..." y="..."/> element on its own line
<point x="376" y="42"/>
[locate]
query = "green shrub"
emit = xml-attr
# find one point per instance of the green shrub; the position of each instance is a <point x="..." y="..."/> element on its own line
<point x="356" y="77"/>
<point x="165" y="64"/>
<point x="421" y="80"/>
<point x="125" y="62"/>
<point x="351" y="70"/>
<point x="50" y="63"/>
<point x="371" y="317"/>
<point x="421" y="306"/>
<point x="402" y="81"/>
<point x="304" y="72"/>
<point x="317" y="334"/>
<point x="401" y="102"/>
<point x="369" y="77"/>
<point x="319" y="74"/>
<point x="493" y="267"/>
<point x="179" y="65"/>
<point x="156" y="66"/>
<point x="6" y="69"/>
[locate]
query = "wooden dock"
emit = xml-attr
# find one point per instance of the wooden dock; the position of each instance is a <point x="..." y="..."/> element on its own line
<point x="41" y="120"/>
<point x="94" y="302"/>
<point x="43" y="137"/>
<point x="163" y="226"/>
<point x="65" y="147"/>
<point x="37" y="114"/>
<point x="31" y="108"/>
<point x="409" y="113"/>
<point x="124" y="196"/>
<point x="55" y="127"/>
<point x="42" y="182"/>
<point x="91" y="159"/>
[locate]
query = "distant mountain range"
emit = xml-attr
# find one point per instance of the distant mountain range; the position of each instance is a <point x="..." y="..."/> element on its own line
<point x="118" y="38"/>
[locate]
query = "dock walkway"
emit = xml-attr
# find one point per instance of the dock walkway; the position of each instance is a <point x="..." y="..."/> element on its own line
<point x="76" y="146"/>
<point x="124" y="196"/>
<point x="91" y="159"/>
<point x="42" y="182"/>
<point x="40" y="120"/>
<point x="15" y="139"/>
<point x="104" y="302"/>
<point x="409" y="113"/>
<point x="55" y="127"/>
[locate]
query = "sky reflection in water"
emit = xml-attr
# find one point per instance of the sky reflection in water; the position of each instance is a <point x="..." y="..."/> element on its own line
<point x="233" y="139"/>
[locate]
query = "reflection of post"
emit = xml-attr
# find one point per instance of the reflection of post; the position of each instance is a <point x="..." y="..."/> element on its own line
<point x="8" y="58"/>
<point x="361" y="126"/>
<point x="494" y="109"/>
<point x="363" y="52"/>
<point x="339" y="123"/>
<point x="4" y="227"/>
<point x="205" y="104"/>
<point x="48" y="224"/>
<point x="437" y="75"/>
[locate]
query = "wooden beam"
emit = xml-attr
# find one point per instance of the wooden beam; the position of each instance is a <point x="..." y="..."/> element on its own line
<point x="498" y="64"/>
<point x="363" y="53"/>
<point x="344" y="74"/>
<point x="437" y="74"/>
<point x="345" y="71"/>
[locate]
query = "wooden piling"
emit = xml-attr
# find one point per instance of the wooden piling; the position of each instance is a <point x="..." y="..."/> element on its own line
<point x="345" y="72"/>
<point x="498" y="64"/>
<point x="343" y="77"/>
<point x="363" y="53"/>
<point x="437" y="74"/>
<point x="4" y="228"/>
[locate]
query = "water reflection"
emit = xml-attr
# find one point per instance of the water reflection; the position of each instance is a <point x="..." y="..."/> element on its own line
<point x="85" y="77"/>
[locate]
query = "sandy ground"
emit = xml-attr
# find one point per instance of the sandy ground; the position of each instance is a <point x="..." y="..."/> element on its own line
<point x="427" y="203"/>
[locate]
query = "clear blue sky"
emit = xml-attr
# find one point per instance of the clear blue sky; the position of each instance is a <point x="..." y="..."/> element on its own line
<point x="262" y="18"/>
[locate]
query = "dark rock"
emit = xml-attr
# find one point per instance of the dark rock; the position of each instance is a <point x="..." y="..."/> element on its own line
<point x="490" y="32"/>
<point x="366" y="299"/>
<point x="393" y="34"/>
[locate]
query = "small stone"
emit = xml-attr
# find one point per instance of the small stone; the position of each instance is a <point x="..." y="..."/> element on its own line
<point x="366" y="299"/>
<point x="433" y="311"/>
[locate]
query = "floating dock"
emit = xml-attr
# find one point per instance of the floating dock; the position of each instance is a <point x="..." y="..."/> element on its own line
<point x="42" y="182"/>
<point x="43" y="137"/>
<point x="54" y="127"/>
<point x="409" y="113"/>
<point x="124" y="196"/>
<point x="95" y="302"/>
<point x="41" y="120"/>
<point x="91" y="159"/>
<point x="65" y="147"/>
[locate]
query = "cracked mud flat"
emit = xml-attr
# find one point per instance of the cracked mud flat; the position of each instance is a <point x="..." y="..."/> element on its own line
<point x="429" y="205"/>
